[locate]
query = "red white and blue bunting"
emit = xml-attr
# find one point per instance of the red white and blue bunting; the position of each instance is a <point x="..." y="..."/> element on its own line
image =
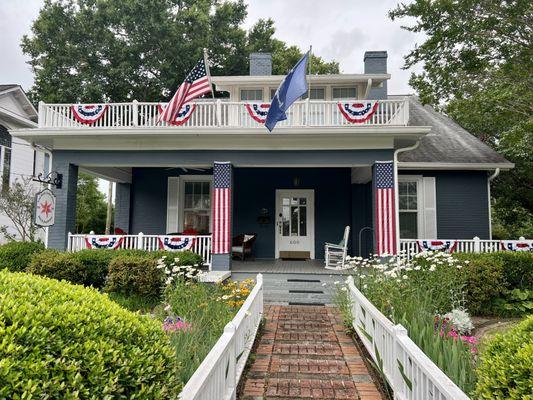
<point x="437" y="245"/>
<point x="359" y="112"/>
<point x="88" y="114"/>
<point x="258" y="111"/>
<point x="183" y="115"/>
<point x="112" y="242"/>
<point x="175" y="243"/>
<point x="517" y="245"/>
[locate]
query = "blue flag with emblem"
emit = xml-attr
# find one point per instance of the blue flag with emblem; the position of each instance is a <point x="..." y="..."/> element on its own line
<point x="291" y="88"/>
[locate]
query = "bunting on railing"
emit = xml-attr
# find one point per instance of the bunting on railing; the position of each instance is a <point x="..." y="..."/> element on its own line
<point x="359" y="112"/>
<point x="88" y="114"/>
<point x="112" y="242"/>
<point x="517" y="245"/>
<point x="182" y="116"/>
<point x="175" y="243"/>
<point x="437" y="245"/>
<point x="258" y="111"/>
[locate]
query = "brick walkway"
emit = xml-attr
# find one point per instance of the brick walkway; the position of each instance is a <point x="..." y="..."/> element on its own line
<point x="305" y="354"/>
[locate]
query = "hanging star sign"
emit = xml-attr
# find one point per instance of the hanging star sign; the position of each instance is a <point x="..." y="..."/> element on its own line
<point x="46" y="208"/>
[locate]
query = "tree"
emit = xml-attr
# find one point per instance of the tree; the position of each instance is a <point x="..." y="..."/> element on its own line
<point x="18" y="203"/>
<point x="478" y="68"/>
<point x="91" y="206"/>
<point x="120" y="50"/>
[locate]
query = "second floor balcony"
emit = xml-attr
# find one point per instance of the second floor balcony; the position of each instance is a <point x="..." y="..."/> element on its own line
<point x="221" y="113"/>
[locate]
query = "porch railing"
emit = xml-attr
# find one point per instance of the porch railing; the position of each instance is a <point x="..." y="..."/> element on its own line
<point x="220" y="113"/>
<point x="409" y="247"/>
<point x="219" y="374"/>
<point x="201" y="246"/>
<point x="408" y="370"/>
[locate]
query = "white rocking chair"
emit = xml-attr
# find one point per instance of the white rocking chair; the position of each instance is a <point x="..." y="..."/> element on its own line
<point x="336" y="253"/>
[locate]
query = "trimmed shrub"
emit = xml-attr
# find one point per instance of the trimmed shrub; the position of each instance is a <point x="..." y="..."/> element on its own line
<point x="517" y="268"/>
<point x="66" y="341"/>
<point x="135" y="275"/>
<point x="95" y="263"/>
<point x="505" y="370"/>
<point x="483" y="277"/>
<point x="58" y="265"/>
<point x="16" y="256"/>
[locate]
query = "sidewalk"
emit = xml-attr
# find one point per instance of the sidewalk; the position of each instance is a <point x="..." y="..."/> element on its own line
<point x="304" y="354"/>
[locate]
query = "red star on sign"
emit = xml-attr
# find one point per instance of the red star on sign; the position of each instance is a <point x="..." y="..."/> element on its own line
<point x="46" y="208"/>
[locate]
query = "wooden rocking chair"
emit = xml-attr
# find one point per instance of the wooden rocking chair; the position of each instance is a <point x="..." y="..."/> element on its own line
<point x="336" y="253"/>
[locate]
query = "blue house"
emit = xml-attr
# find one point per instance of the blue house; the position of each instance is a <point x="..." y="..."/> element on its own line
<point x="295" y="188"/>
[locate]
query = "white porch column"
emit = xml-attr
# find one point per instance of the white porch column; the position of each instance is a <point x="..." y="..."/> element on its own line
<point x="221" y="203"/>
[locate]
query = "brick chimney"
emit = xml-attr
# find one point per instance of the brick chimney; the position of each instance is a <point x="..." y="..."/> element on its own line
<point x="376" y="63"/>
<point x="260" y="64"/>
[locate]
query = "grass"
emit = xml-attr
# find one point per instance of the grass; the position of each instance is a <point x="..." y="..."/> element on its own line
<point x="135" y="302"/>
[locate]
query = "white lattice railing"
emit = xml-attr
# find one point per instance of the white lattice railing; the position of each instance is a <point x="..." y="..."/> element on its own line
<point x="219" y="113"/>
<point x="219" y="374"/>
<point x="409" y="247"/>
<point x="409" y="372"/>
<point x="201" y="245"/>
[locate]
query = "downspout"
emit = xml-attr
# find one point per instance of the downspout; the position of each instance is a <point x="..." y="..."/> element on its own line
<point x="491" y="178"/>
<point x="396" y="193"/>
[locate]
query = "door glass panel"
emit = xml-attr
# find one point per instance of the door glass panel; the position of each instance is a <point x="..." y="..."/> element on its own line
<point x="303" y="221"/>
<point x="286" y="201"/>
<point x="303" y="201"/>
<point x="294" y="221"/>
<point x="294" y="201"/>
<point x="285" y="220"/>
<point x="188" y="194"/>
<point x="408" y="225"/>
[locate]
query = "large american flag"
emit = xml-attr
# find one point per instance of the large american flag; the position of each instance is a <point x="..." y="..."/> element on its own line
<point x="221" y="207"/>
<point x="384" y="208"/>
<point x="195" y="84"/>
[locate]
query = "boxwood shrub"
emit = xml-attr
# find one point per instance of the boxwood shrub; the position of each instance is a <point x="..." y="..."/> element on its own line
<point x="58" y="265"/>
<point x="65" y="341"/>
<point x="16" y="256"/>
<point x="505" y="370"/>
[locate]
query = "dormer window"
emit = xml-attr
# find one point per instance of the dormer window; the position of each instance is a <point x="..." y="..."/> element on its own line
<point x="251" y="94"/>
<point x="341" y="93"/>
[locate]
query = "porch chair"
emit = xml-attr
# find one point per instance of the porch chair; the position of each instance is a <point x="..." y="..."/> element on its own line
<point x="242" y="245"/>
<point x="336" y="253"/>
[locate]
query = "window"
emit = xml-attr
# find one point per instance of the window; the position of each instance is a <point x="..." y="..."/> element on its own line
<point x="409" y="211"/>
<point x="196" y="203"/>
<point x="46" y="163"/>
<point x="340" y="93"/>
<point x="251" y="94"/>
<point x="316" y="94"/>
<point x="5" y="157"/>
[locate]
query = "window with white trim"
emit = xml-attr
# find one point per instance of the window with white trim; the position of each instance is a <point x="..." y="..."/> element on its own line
<point x="408" y="207"/>
<point x="251" y="94"/>
<point x="5" y="157"/>
<point x="195" y="205"/>
<point x="340" y="93"/>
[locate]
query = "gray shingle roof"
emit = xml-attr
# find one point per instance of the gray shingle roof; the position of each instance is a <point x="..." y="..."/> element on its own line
<point x="6" y="87"/>
<point x="447" y="142"/>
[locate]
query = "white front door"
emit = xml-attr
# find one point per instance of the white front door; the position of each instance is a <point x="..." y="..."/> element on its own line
<point x="295" y="223"/>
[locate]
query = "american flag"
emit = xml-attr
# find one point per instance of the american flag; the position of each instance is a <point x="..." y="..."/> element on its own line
<point x="221" y="207"/>
<point x="384" y="208"/>
<point x="195" y="84"/>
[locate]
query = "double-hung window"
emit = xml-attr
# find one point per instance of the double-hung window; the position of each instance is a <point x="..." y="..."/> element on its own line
<point x="343" y="93"/>
<point x="417" y="201"/>
<point x="5" y="157"/>
<point x="252" y="95"/>
<point x="408" y="207"/>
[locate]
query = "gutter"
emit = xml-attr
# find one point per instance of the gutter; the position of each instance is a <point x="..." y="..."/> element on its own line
<point x="489" y="180"/>
<point x="396" y="195"/>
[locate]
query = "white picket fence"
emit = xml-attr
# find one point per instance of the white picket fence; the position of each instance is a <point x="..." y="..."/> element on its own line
<point x="409" y="247"/>
<point x="219" y="374"/>
<point x="201" y="246"/>
<point x="409" y="372"/>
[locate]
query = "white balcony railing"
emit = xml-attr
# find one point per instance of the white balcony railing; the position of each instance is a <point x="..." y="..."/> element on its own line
<point x="220" y="113"/>
<point x="201" y="245"/>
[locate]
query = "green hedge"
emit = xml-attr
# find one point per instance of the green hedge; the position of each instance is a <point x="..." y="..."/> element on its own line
<point x="491" y="279"/>
<point x="58" y="265"/>
<point x="16" y="256"/>
<point x="66" y="341"/>
<point x="505" y="370"/>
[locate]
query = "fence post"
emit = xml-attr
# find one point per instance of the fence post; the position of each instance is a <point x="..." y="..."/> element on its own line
<point x="41" y="122"/>
<point x="397" y="380"/>
<point x="135" y="114"/>
<point x="219" y="112"/>
<point x="477" y="245"/>
<point x="232" y="373"/>
<point x="140" y="241"/>
<point x="69" y="242"/>
<point x="521" y="238"/>
<point x="259" y="280"/>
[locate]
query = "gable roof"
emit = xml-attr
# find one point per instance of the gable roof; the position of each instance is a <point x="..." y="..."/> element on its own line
<point x="447" y="142"/>
<point x="29" y="115"/>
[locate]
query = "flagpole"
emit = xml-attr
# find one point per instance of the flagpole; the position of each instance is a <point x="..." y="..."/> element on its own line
<point x="309" y="74"/>
<point x="208" y="73"/>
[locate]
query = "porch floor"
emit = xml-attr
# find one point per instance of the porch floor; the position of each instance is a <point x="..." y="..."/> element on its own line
<point x="277" y="266"/>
